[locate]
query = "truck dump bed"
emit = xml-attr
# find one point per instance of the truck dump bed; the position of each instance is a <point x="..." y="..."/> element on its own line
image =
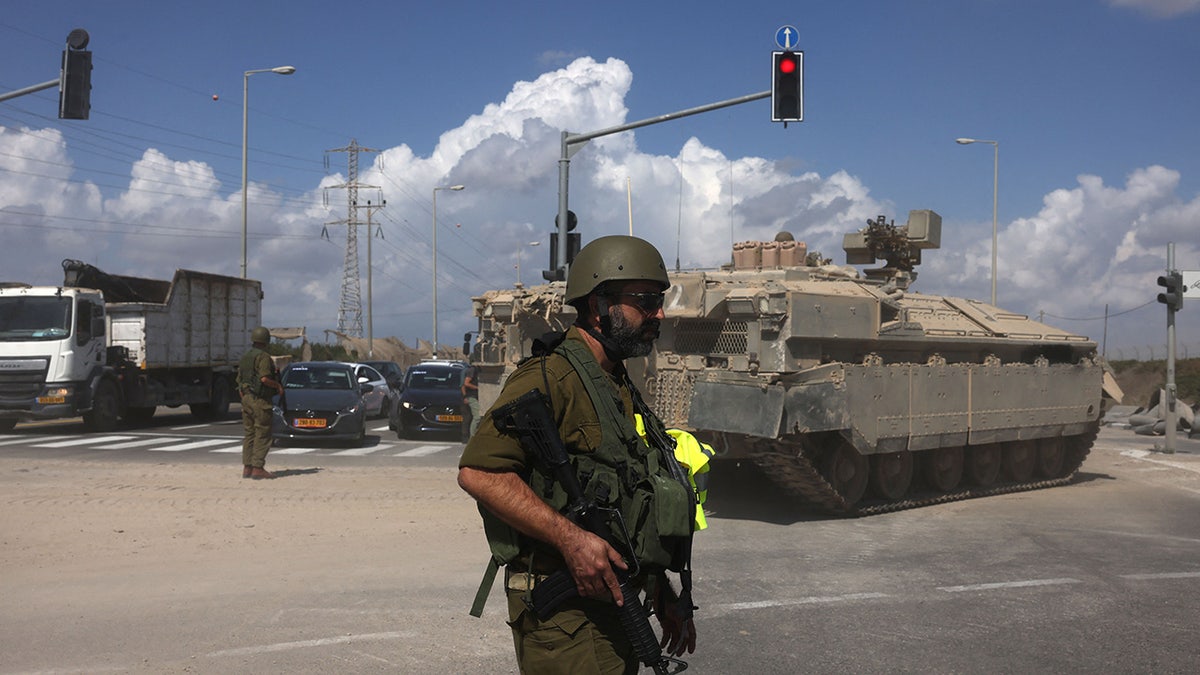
<point x="195" y="320"/>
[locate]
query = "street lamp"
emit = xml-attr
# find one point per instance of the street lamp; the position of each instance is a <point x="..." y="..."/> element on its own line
<point x="519" y="248"/>
<point x="995" y="198"/>
<point x="456" y="188"/>
<point x="281" y="70"/>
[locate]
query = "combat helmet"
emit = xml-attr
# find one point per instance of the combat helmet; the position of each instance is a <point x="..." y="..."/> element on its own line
<point x="614" y="258"/>
<point x="260" y="334"/>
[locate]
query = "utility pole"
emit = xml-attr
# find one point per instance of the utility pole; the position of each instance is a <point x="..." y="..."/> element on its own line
<point x="350" y="305"/>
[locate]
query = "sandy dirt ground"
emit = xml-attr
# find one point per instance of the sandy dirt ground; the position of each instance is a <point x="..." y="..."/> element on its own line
<point x="176" y="567"/>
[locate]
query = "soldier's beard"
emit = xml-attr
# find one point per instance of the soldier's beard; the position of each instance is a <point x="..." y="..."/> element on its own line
<point x="630" y="340"/>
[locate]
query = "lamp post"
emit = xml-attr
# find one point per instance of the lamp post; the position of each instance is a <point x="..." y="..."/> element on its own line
<point x="995" y="198"/>
<point x="281" y="70"/>
<point x="456" y="188"/>
<point x="519" y="248"/>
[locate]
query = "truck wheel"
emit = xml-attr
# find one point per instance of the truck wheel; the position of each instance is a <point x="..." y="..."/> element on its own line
<point x="106" y="408"/>
<point x="6" y="425"/>
<point x="221" y="395"/>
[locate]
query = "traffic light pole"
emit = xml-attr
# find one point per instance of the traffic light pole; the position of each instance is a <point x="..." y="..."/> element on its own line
<point x="1172" y="416"/>
<point x="30" y="90"/>
<point x="572" y="143"/>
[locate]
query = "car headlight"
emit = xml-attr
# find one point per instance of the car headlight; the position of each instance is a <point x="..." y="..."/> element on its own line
<point x="408" y="405"/>
<point x="350" y="409"/>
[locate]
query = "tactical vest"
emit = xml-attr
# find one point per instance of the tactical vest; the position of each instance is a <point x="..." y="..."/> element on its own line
<point x="248" y="380"/>
<point x="623" y="473"/>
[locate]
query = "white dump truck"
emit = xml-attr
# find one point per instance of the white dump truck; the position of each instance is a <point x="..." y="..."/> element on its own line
<point x="113" y="348"/>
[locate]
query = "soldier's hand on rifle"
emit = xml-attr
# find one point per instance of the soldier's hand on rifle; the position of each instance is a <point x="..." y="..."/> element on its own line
<point x="590" y="560"/>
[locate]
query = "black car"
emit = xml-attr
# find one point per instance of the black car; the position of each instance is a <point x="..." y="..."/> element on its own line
<point x="391" y="371"/>
<point x="430" y="400"/>
<point x="321" y="400"/>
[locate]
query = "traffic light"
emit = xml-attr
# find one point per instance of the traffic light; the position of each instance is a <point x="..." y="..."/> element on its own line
<point x="75" y="85"/>
<point x="1172" y="296"/>
<point x="787" y="86"/>
<point x="557" y="272"/>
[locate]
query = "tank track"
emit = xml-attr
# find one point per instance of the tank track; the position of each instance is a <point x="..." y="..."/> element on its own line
<point x="796" y="474"/>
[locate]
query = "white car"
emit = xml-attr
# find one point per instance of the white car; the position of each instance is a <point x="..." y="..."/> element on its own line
<point x="375" y="401"/>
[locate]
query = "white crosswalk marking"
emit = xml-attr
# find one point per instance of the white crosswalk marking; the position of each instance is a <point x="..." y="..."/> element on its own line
<point x="229" y="445"/>
<point x="365" y="450"/>
<point x="82" y="440"/>
<point x="157" y="440"/>
<point x="190" y="446"/>
<point x="291" y="451"/>
<point x="423" y="450"/>
<point x="25" y="439"/>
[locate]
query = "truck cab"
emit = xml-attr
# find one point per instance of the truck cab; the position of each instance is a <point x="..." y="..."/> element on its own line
<point x="52" y="351"/>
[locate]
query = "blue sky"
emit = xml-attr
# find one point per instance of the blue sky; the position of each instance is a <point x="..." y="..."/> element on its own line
<point x="1092" y="102"/>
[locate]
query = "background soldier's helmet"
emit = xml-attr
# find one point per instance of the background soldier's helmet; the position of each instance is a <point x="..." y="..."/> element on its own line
<point x="614" y="258"/>
<point x="260" y="334"/>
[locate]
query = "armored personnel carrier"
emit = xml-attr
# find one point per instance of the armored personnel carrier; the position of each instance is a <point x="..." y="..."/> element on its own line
<point x="849" y="390"/>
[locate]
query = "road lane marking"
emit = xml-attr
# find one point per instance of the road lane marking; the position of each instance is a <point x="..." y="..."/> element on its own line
<point x="157" y="440"/>
<point x="1147" y="456"/>
<point x="422" y="450"/>
<point x="229" y="449"/>
<point x="190" y="446"/>
<point x="1162" y="575"/>
<point x="82" y="441"/>
<point x="810" y="600"/>
<point x="1009" y="584"/>
<point x="322" y="642"/>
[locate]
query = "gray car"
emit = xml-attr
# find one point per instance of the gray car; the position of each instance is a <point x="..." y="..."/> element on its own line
<point x="321" y="400"/>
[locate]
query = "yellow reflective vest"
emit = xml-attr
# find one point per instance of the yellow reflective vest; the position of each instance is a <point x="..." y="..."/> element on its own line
<point x="694" y="457"/>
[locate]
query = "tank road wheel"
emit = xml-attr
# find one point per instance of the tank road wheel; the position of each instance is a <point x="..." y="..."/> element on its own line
<point x="983" y="464"/>
<point x="846" y="472"/>
<point x="106" y="408"/>
<point x="943" y="468"/>
<point x="1051" y="457"/>
<point x="891" y="474"/>
<point x="1020" y="459"/>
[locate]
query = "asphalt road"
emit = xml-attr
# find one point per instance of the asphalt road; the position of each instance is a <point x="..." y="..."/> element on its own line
<point x="1102" y="575"/>
<point x="174" y="434"/>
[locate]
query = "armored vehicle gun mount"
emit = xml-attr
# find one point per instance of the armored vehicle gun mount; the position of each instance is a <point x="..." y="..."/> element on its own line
<point x="849" y="390"/>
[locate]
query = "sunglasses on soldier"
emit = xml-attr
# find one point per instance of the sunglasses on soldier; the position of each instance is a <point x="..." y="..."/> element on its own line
<point x="649" y="302"/>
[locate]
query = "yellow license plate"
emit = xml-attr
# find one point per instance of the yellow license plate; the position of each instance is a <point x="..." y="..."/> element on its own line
<point x="449" y="418"/>
<point x="47" y="400"/>
<point x="308" y="423"/>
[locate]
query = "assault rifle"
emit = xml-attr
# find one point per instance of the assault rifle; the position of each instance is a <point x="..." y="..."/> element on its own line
<point x="530" y="419"/>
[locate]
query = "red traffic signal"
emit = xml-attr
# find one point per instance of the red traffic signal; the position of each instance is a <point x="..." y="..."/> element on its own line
<point x="787" y="87"/>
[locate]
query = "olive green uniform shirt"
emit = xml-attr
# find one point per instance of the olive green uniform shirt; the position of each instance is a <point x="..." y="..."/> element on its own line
<point x="578" y="423"/>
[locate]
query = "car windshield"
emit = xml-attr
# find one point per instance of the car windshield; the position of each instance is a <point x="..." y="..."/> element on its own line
<point x="434" y="378"/>
<point x="36" y="318"/>
<point x="316" y="377"/>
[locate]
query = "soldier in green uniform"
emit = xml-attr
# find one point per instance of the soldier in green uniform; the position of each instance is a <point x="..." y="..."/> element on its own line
<point x="257" y="380"/>
<point x="617" y="286"/>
